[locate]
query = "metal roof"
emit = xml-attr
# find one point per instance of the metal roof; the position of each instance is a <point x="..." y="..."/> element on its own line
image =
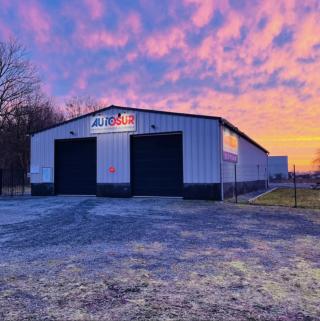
<point x="220" y="119"/>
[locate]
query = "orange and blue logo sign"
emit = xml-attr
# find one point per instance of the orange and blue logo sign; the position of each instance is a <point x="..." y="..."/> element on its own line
<point x="122" y="122"/>
<point x="230" y="146"/>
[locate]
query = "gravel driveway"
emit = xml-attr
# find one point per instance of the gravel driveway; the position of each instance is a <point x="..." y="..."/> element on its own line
<point x="86" y="258"/>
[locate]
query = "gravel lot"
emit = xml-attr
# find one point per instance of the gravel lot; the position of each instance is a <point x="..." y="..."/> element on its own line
<point x="86" y="258"/>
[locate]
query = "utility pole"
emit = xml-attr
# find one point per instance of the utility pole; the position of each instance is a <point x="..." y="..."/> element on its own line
<point x="235" y="182"/>
<point x="295" y="185"/>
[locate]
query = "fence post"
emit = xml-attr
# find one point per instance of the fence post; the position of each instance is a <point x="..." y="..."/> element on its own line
<point x="23" y="181"/>
<point x="266" y="178"/>
<point x="11" y="181"/>
<point x="295" y="185"/>
<point x="235" y="183"/>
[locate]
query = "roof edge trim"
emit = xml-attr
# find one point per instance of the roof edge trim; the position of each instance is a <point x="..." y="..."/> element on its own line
<point x="220" y="119"/>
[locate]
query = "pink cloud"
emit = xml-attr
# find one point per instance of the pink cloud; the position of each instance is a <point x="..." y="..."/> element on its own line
<point x="307" y="35"/>
<point x="207" y="47"/>
<point x="81" y="83"/>
<point x="161" y="43"/>
<point x="96" y="36"/>
<point x="99" y="38"/>
<point x="5" y="32"/>
<point x="172" y="75"/>
<point x="133" y="23"/>
<point x="231" y="29"/>
<point x="113" y="64"/>
<point x="130" y="78"/>
<point x="132" y="56"/>
<point x="104" y="38"/>
<point x="203" y="13"/>
<point x="115" y="97"/>
<point x="95" y="7"/>
<point x="36" y="20"/>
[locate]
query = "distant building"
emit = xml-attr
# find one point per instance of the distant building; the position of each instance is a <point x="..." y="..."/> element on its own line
<point x="278" y="167"/>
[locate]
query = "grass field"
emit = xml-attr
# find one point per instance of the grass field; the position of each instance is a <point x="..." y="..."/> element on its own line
<point x="285" y="197"/>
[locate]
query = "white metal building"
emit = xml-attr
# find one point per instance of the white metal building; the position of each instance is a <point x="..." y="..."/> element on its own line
<point x="123" y="152"/>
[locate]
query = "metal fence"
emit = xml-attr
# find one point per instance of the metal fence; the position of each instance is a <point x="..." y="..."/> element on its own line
<point x="293" y="188"/>
<point x="14" y="182"/>
<point x="297" y="187"/>
<point x="242" y="179"/>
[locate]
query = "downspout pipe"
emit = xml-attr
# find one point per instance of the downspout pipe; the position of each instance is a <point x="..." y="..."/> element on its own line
<point x="221" y="123"/>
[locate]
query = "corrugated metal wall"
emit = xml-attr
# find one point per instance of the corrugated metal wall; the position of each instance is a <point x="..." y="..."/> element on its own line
<point x="201" y="156"/>
<point x="278" y="167"/>
<point x="252" y="164"/>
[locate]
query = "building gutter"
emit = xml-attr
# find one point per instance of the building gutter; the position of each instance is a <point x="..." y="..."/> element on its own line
<point x="226" y="123"/>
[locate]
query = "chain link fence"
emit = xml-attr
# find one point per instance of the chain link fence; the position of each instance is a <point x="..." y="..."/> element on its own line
<point x="241" y="179"/>
<point x="296" y="187"/>
<point x="14" y="182"/>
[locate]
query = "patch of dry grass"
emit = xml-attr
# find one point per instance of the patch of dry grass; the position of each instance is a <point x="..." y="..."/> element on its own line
<point x="306" y="198"/>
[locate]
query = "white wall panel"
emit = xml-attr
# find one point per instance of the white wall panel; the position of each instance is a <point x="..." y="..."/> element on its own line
<point x="251" y="166"/>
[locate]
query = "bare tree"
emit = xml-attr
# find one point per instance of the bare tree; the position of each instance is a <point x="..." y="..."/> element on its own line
<point x="37" y="114"/>
<point x="77" y="106"/>
<point x="316" y="161"/>
<point x="23" y="107"/>
<point x="18" y="79"/>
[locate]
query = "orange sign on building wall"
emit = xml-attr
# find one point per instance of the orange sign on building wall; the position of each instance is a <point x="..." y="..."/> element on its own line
<point x="230" y="145"/>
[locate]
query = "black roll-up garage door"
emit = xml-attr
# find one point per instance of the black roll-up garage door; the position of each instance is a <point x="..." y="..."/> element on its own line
<point x="156" y="165"/>
<point x="75" y="166"/>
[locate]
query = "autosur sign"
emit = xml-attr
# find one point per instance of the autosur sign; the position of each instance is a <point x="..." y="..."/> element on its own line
<point x="113" y="123"/>
<point x="230" y="145"/>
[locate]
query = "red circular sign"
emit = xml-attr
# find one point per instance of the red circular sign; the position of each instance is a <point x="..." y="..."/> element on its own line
<point x="112" y="169"/>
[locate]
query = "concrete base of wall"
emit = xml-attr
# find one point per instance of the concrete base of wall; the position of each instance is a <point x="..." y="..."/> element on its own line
<point x="242" y="187"/>
<point x="190" y="191"/>
<point x="202" y="191"/>
<point x="114" y="190"/>
<point x="42" y="189"/>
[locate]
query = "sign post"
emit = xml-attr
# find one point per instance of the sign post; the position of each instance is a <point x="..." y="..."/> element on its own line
<point x="235" y="183"/>
<point x="295" y="185"/>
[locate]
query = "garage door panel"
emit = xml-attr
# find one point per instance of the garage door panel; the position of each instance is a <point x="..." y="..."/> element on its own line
<point x="161" y="173"/>
<point x="153" y="159"/>
<point x="167" y="165"/>
<point x="157" y="165"/>
<point x="162" y="178"/>
<point x="75" y="167"/>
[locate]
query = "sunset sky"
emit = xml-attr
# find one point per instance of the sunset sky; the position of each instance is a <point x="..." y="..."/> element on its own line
<point x="254" y="62"/>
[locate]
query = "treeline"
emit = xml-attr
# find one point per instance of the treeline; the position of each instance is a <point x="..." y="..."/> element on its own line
<point x="316" y="161"/>
<point x="24" y="108"/>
